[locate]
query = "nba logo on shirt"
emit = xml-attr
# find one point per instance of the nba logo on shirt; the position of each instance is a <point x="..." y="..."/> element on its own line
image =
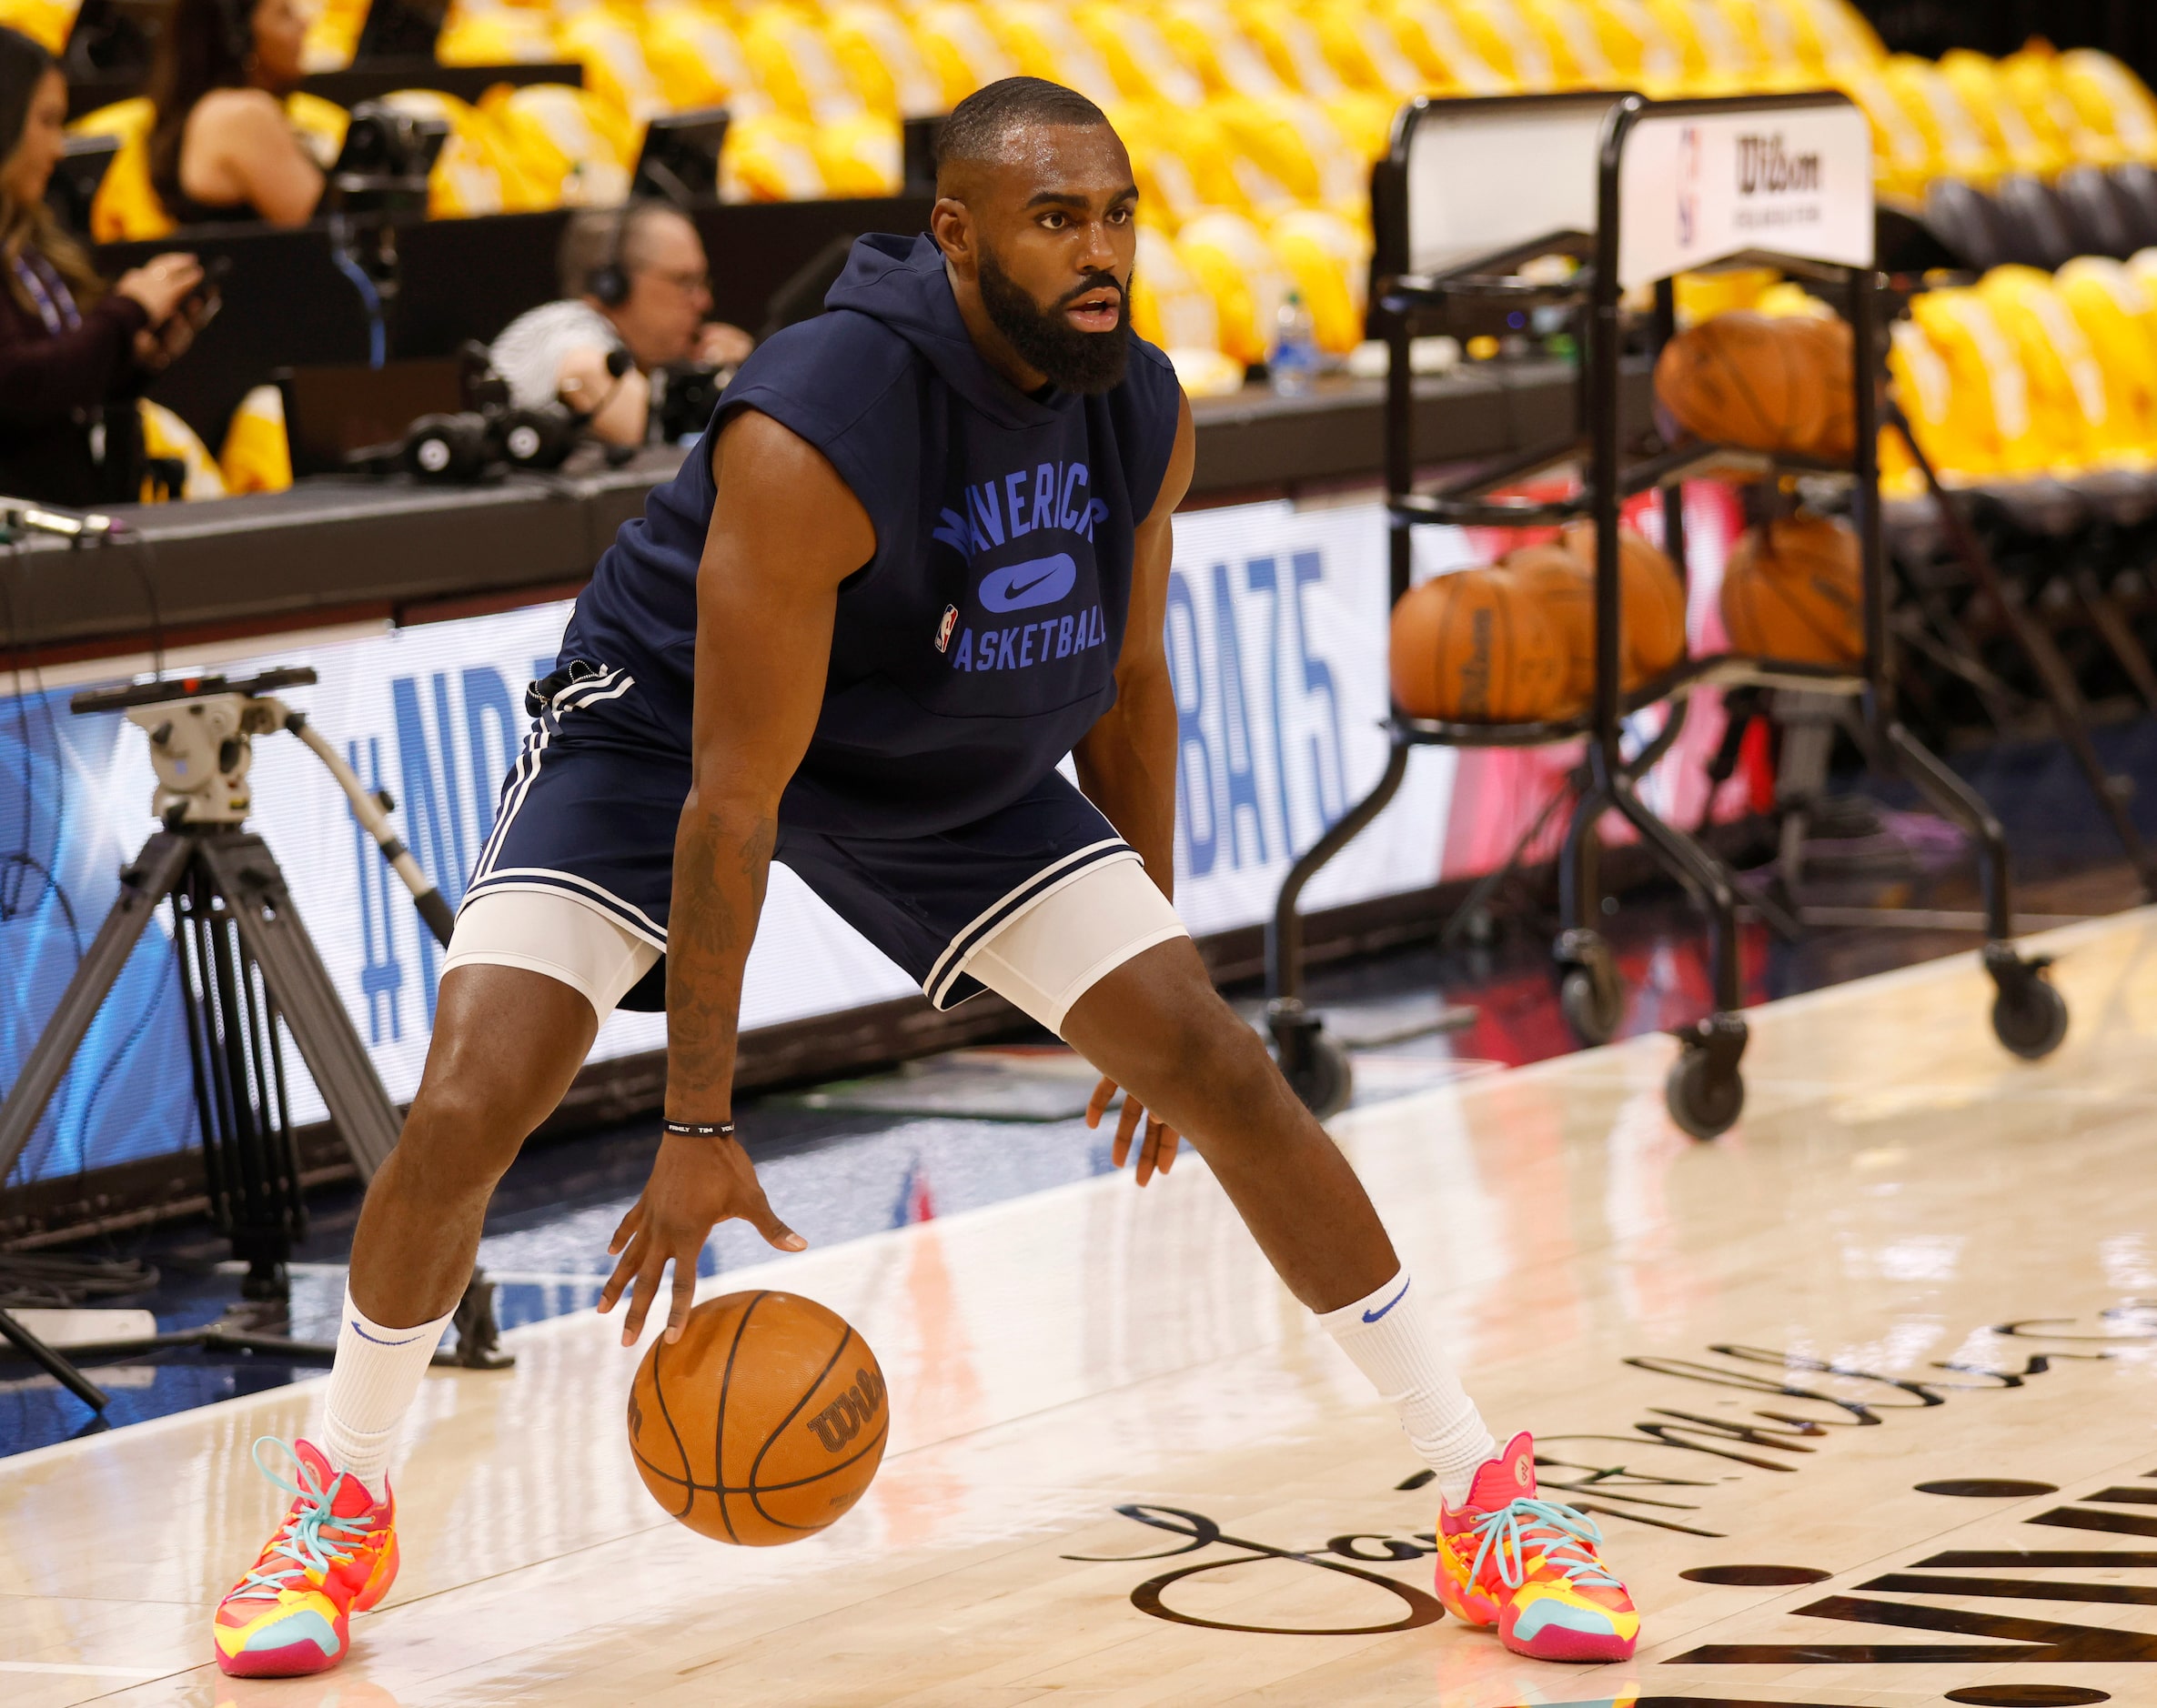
<point x="943" y="630"/>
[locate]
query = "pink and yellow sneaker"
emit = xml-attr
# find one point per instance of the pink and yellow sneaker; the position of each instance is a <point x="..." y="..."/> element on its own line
<point x="334" y="1555"/>
<point x="1529" y="1567"/>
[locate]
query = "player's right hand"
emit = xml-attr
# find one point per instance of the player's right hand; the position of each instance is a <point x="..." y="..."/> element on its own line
<point x="1157" y="1155"/>
<point x="695" y="1185"/>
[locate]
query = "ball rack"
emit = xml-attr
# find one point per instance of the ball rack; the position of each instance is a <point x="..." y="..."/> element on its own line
<point x="1488" y="212"/>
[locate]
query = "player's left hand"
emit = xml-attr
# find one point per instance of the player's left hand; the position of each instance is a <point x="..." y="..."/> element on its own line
<point x="1158" y="1154"/>
<point x="695" y="1184"/>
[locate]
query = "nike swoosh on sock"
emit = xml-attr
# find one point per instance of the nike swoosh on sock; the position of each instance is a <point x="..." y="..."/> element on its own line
<point x="1372" y="1316"/>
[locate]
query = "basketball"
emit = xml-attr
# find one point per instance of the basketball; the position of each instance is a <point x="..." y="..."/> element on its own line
<point x="1763" y="382"/>
<point x="764" y="1423"/>
<point x="1654" y="599"/>
<point x="1796" y="592"/>
<point x="1563" y="589"/>
<point x="1471" y="646"/>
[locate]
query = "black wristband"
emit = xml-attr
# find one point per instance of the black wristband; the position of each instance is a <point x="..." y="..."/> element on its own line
<point x="697" y="1129"/>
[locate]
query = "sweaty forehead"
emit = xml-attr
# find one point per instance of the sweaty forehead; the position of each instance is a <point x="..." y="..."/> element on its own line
<point x="1083" y="161"/>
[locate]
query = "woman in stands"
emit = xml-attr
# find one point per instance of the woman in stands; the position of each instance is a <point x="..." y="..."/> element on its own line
<point x="68" y="346"/>
<point x="222" y="148"/>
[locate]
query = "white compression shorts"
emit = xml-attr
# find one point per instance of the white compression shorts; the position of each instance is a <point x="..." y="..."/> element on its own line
<point x="1042" y="960"/>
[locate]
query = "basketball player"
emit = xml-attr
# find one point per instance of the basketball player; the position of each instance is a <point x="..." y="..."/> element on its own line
<point x="922" y="553"/>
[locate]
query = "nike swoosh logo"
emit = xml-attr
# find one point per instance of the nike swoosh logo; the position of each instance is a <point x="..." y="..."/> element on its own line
<point x="1372" y="1316"/>
<point x="409" y="1339"/>
<point x="1021" y="585"/>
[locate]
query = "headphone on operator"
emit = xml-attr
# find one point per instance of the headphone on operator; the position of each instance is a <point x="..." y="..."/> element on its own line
<point x="608" y="283"/>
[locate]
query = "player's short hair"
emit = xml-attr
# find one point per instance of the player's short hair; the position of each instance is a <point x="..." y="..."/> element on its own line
<point x="607" y="237"/>
<point x="978" y="126"/>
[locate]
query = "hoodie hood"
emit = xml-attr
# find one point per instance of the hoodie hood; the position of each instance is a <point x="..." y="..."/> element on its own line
<point x="901" y="281"/>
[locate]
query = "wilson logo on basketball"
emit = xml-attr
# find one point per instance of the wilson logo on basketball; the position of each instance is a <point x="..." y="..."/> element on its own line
<point x="839" y="1422"/>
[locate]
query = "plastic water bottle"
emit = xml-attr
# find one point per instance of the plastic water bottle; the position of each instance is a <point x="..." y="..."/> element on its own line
<point x="1293" y="363"/>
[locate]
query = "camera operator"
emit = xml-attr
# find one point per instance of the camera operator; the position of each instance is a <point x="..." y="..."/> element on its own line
<point x="68" y="345"/>
<point x="632" y="279"/>
<point x="222" y="147"/>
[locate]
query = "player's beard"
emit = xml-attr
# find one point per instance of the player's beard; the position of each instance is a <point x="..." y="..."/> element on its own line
<point x="1087" y="363"/>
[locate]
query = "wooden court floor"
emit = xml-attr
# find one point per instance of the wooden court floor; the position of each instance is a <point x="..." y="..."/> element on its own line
<point x="1896" y="1337"/>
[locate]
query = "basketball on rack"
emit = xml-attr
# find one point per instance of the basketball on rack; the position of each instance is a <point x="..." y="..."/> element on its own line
<point x="1654" y="599"/>
<point x="1765" y="383"/>
<point x="1471" y="647"/>
<point x="1796" y="591"/>
<point x="764" y="1423"/>
<point x="1563" y="589"/>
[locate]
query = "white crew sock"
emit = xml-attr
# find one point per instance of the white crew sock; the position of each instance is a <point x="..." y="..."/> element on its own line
<point x="373" y="1385"/>
<point x="1392" y="1342"/>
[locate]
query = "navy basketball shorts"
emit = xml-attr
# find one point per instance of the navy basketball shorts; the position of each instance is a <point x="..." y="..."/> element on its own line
<point x="1038" y="901"/>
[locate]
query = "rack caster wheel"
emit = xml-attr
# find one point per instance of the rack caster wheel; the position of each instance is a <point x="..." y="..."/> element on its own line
<point x="1705" y="1091"/>
<point x="2028" y="1016"/>
<point x="1589" y="992"/>
<point x="1314" y="1063"/>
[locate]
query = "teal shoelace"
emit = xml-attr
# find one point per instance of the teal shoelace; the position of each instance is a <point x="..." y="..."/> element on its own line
<point x="1561" y="1535"/>
<point x="310" y="1536"/>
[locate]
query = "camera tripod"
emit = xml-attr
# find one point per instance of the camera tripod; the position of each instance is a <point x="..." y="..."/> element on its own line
<point x="247" y="964"/>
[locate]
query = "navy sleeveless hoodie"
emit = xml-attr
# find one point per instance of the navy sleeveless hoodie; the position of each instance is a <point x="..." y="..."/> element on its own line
<point x="980" y="643"/>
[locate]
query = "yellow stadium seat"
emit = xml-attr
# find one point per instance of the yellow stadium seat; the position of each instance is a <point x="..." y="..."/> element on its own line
<point x="2111" y="101"/>
<point x="1715" y="55"/>
<point x="2142" y="267"/>
<point x="1293" y="49"/>
<point x="1138" y="55"/>
<point x="2067" y="391"/>
<point x="1366" y="52"/>
<point x="333" y="34"/>
<point x="44" y="21"/>
<point x="166" y="436"/>
<point x="795" y="67"/>
<point x="961" y="48"/>
<point x="1843" y="32"/>
<point x="2120" y="320"/>
<point x="258" y="456"/>
<point x="477" y="171"/>
<point x="1989" y="427"/>
<point x="127" y="208"/>
<point x="859" y="155"/>
<point x="1703" y="296"/>
<point x="769" y="157"/>
<point x="1641" y="54"/>
<point x="1298" y="148"/>
<point x="1229" y="256"/>
<point x="1184" y="160"/>
<point x="1957" y="145"/>
<point x="496" y="35"/>
<point x="880" y="58"/>
<point x="574" y="148"/>
<point x="1442" y="52"/>
<point x="1985" y="97"/>
<point x="320" y="125"/>
<point x="606" y="45"/>
<point x="1329" y="259"/>
<point x="1570" y="44"/>
<point x="1208" y="38"/>
<point x="696" y="55"/>
<point x="1787" y="299"/>
<point x="1924" y="387"/>
<point x="2030" y="78"/>
<point x="1170" y="306"/>
<point x="1046" y="43"/>
<point x="1903" y="161"/>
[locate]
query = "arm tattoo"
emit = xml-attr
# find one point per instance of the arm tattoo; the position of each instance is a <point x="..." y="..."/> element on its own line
<point x="717" y="900"/>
